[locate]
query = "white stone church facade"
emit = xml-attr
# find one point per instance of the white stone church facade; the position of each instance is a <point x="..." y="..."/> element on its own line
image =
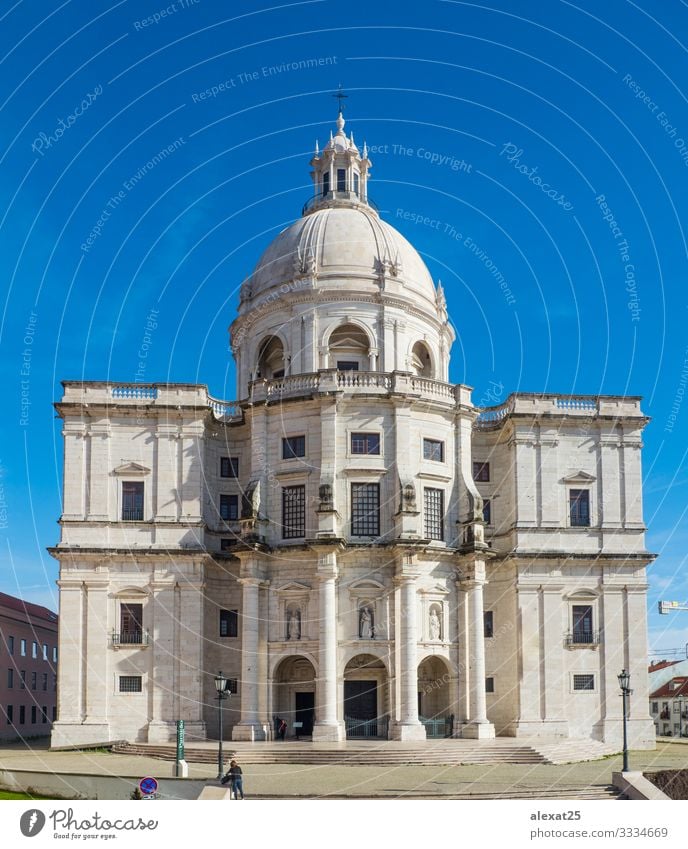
<point x="356" y="545"/>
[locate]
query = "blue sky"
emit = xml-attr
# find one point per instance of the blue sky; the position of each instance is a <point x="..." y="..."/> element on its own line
<point x="548" y="141"/>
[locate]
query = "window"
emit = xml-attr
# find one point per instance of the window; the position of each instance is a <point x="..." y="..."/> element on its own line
<point x="481" y="471"/>
<point x="582" y="624"/>
<point x="433" y="449"/>
<point x="489" y="685"/>
<point x="54" y="654"/>
<point x="54" y="683"/>
<point x="225" y="544"/>
<point x="355" y="183"/>
<point x="22" y="648"/>
<point x="326" y="183"/>
<point x="488" y="624"/>
<point x="45" y="651"/>
<point x="293" y="512"/>
<point x="22" y="686"/>
<point x="132" y="501"/>
<point x="22" y="714"/>
<point x="131" y="623"/>
<point x="229" y="467"/>
<point x="34" y="650"/>
<point x="579" y="508"/>
<point x="33" y="680"/>
<point x="9" y="711"/>
<point x="130" y="684"/>
<point x="33" y="714"/>
<point x="341" y="179"/>
<point x="433" y="505"/>
<point x="229" y="507"/>
<point x="293" y="446"/>
<point x="677" y="707"/>
<point x="45" y="681"/>
<point x="10" y="645"/>
<point x="44" y="714"/>
<point x="676" y="728"/>
<point x="365" y="443"/>
<point x="487" y="511"/>
<point x="232" y="686"/>
<point x="584" y="682"/>
<point x="347" y="365"/>
<point x="54" y="713"/>
<point x="10" y="679"/>
<point x="365" y="509"/>
<point x="655" y="707"/>
<point x="229" y="623"/>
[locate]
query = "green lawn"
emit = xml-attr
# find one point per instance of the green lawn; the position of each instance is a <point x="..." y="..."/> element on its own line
<point x="5" y="795"/>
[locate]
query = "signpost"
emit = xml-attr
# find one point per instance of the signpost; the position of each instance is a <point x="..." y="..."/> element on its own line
<point x="671" y="606"/>
<point x="181" y="769"/>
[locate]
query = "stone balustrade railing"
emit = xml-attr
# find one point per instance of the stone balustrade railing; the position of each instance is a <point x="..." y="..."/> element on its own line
<point x="526" y="403"/>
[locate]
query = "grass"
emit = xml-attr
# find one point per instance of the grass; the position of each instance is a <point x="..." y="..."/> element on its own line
<point x="4" y="794"/>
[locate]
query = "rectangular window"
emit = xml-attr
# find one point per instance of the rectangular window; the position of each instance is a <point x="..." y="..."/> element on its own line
<point x="433" y="449"/>
<point x="293" y="512"/>
<point x="347" y="365"/>
<point x="583" y="682"/>
<point x="489" y="685"/>
<point x="676" y="727"/>
<point x="54" y="654"/>
<point x="34" y="679"/>
<point x="365" y="443"/>
<point x="487" y="511"/>
<point x="34" y="650"/>
<point x="22" y="714"/>
<point x="677" y="707"/>
<point x="582" y="623"/>
<point x="229" y="508"/>
<point x="45" y="651"/>
<point x="356" y="183"/>
<point x="131" y="623"/>
<point x="10" y="645"/>
<point x="44" y="714"/>
<point x="293" y="446"/>
<point x="654" y="707"/>
<point x="326" y="183"/>
<point x="9" y="710"/>
<point x="433" y="507"/>
<point x="45" y="681"/>
<point x="232" y="686"/>
<point x="130" y="684"/>
<point x="10" y="679"/>
<point x="33" y="714"/>
<point x="54" y="713"/>
<point x="22" y="674"/>
<point x="481" y="471"/>
<point x="365" y="509"/>
<point x="579" y="508"/>
<point x="229" y="467"/>
<point x="229" y="623"/>
<point x="341" y="179"/>
<point x="22" y="648"/>
<point x="132" y="501"/>
<point x="488" y="624"/>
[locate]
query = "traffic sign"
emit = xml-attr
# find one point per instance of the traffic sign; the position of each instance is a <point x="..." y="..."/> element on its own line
<point x="148" y="786"/>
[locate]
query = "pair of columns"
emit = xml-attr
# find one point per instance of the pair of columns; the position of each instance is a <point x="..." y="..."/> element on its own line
<point x="328" y="727"/>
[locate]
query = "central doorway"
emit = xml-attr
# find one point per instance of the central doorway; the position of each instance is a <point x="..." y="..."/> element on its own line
<point x="304" y="711"/>
<point x="293" y="697"/>
<point x="364" y="684"/>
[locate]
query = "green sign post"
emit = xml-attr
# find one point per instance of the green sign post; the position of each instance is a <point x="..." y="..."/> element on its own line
<point x="180" y="740"/>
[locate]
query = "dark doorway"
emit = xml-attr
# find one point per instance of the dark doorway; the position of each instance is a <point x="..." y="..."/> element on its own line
<point x="304" y="711"/>
<point x="360" y="708"/>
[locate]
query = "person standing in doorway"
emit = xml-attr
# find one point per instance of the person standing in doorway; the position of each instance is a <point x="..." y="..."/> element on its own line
<point x="236" y="780"/>
<point x="282" y="729"/>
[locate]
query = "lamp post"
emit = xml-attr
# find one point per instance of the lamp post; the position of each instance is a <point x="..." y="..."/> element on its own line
<point x="680" y="717"/>
<point x="624" y="681"/>
<point x="221" y="684"/>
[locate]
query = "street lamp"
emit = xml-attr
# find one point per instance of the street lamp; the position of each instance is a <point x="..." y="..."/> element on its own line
<point x="221" y="685"/>
<point x="624" y="681"/>
<point x="680" y="716"/>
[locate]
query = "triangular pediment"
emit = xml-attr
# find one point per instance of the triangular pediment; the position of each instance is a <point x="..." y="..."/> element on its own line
<point x="579" y="477"/>
<point x="131" y="469"/>
<point x="293" y="587"/>
<point x="366" y="585"/>
<point x="436" y="590"/>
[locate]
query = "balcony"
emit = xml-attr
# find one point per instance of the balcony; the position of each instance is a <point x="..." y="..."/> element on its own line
<point x="130" y="639"/>
<point x="580" y="639"/>
<point x="132" y="514"/>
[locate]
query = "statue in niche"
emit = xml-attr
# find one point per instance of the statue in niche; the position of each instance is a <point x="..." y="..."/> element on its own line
<point x="325" y="495"/>
<point x="294" y="625"/>
<point x="365" y="625"/>
<point x="408" y="497"/>
<point x="435" y="625"/>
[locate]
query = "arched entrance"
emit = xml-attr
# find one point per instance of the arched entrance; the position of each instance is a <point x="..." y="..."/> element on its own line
<point x="271" y="362"/>
<point x="294" y="695"/>
<point x="349" y="348"/>
<point x="366" y="712"/>
<point x="421" y="363"/>
<point x="435" y="708"/>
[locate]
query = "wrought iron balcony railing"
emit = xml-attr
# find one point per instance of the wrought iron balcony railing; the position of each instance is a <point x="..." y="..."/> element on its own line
<point x="130" y="638"/>
<point x="578" y="637"/>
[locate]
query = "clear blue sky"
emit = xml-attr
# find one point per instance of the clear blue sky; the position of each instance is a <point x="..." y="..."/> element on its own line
<point x="518" y="118"/>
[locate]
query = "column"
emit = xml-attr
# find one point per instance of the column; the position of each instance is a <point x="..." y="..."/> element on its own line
<point x="554" y="668"/>
<point x="99" y="473"/>
<point x="407" y="725"/>
<point x="641" y="729"/>
<point x="613" y="660"/>
<point x="189" y="677"/>
<point x="166" y="507"/>
<point x="478" y="726"/>
<point x="464" y="657"/>
<point x="161" y="685"/>
<point x="249" y="726"/>
<point x="67" y="730"/>
<point x="74" y="472"/>
<point x="632" y="489"/>
<point x="98" y="684"/>
<point x="609" y="487"/>
<point x="190" y="485"/>
<point x="328" y="728"/>
<point x="524" y="473"/>
<point x="549" y="512"/>
<point x="528" y="711"/>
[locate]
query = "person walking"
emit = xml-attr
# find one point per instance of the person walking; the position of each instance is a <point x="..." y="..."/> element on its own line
<point x="236" y="779"/>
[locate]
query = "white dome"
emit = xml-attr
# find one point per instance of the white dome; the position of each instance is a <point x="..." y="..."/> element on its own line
<point x="346" y="246"/>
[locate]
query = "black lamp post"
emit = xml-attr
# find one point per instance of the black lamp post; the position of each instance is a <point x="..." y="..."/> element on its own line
<point x="221" y="684"/>
<point x="624" y="681"/>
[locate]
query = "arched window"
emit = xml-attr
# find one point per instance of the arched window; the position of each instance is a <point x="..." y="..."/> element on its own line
<point x="326" y="183"/>
<point x="270" y="358"/>
<point x="349" y="348"/>
<point x="421" y="364"/>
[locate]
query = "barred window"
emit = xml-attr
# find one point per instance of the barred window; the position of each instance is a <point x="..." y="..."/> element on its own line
<point x="433" y="449"/>
<point x="365" y="509"/>
<point x="365" y="443"/>
<point x="229" y="467"/>
<point x="132" y="501"/>
<point x="487" y="511"/>
<point x="229" y="508"/>
<point x="293" y="512"/>
<point x="583" y="682"/>
<point x="293" y="446"/>
<point x="229" y="623"/>
<point x="481" y="471"/>
<point x="488" y="624"/>
<point x="489" y="685"/>
<point x="579" y="507"/>
<point x="232" y="686"/>
<point x="434" y="513"/>
<point x="130" y="684"/>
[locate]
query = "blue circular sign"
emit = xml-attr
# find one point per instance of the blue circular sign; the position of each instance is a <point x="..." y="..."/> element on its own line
<point x="148" y="786"/>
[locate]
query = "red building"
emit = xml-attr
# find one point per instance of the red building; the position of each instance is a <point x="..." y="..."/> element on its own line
<point x="28" y="669"/>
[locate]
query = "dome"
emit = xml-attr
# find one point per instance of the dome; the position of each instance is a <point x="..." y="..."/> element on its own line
<point x="348" y="246"/>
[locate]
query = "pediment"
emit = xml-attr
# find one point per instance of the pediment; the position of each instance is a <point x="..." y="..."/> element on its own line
<point x="293" y="587"/>
<point x="131" y="469"/>
<point x="366" y="585"/>
<point x="579" y="477"/>
<point x="438" y="589"/>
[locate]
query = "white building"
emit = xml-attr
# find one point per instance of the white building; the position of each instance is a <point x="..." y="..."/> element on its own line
<point x="352" y="541"/>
